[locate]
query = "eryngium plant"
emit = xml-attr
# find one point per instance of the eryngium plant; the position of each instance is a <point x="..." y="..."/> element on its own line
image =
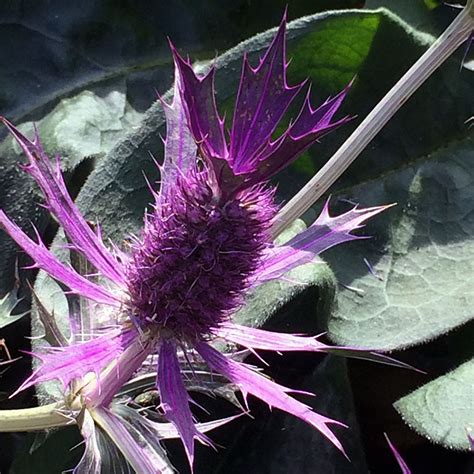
<point x="205" y="244"/>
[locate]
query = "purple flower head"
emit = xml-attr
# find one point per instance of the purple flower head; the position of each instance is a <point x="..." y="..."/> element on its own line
<point x="197" y="252"/>
<point x="205" y="244"/>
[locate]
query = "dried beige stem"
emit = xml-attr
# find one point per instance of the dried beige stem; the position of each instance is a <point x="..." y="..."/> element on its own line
<point x="33" y="419"/>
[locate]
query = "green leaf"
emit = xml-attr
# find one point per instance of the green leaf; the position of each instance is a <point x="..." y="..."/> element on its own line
<point x="421" y="249"/>
<point x="91" y="42"/>
<point x="423" y="252"/>
<point x="85" y="125"/>
<point x="418" y="13"/>
<point x="420" y="127"/>
<point x="443" y="410"/>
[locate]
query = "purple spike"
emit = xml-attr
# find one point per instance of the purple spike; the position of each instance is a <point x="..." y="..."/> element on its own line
<point x="271" y="393"/>
<point x="73" y="362"/>
<point x="253" y="338"/>
<point x="61" y="205"/>
<point x="180" y="149"/>
<point x="326" y="232"/>
<point x="45" y="260"/>
<point x="471" y="440"/>
<point x="175" y="399"/>
<point x="169" y="431"/>
<point x="91" y="460"/>
<point x="131" y="444"/>
<point x="128" y="362"/>
<point x="309" y="127"/>
<point x="262" y="99"/>
<point x="401" y="462"/>
<point x="191" y="267"/>
<point x="204" y="120"/>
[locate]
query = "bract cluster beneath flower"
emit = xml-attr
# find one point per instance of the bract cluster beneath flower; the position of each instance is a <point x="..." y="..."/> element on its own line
<point x="204" y="245"/>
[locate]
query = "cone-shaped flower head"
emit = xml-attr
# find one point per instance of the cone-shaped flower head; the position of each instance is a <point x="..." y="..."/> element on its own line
<point x="204" y="244"/>
<point x="196" y="255"/>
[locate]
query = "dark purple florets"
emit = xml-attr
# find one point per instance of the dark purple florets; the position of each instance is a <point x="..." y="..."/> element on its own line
<point x="196" y="256"/>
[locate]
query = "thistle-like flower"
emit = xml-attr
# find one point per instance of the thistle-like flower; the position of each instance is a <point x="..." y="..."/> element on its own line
<point x="205" y="244"/>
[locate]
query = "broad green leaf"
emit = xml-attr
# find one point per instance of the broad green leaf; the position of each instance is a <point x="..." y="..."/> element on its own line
<point x="83" y="126"/>
<point x="66" y="47"/>
<point x="424" y="15"/>
<point x="422" y="161"/>
<point x="443" y="410"/>
<point x="378" y="37"/>
<point x="423" y="253"/>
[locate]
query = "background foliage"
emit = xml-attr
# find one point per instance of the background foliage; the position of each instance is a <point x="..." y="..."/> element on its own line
<point x="87" y="73"/>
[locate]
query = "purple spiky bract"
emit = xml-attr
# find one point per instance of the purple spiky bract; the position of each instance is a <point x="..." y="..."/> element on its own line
<point x="264" y="96"/>
<point x="205" y="243"/>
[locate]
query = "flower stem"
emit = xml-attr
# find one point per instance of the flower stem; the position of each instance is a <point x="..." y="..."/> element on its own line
<point x="458" y="32"/>
<point x="33" y="419"/>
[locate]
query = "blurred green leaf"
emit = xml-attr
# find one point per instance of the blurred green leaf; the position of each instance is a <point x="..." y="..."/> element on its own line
<point x="443" y="410"/>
